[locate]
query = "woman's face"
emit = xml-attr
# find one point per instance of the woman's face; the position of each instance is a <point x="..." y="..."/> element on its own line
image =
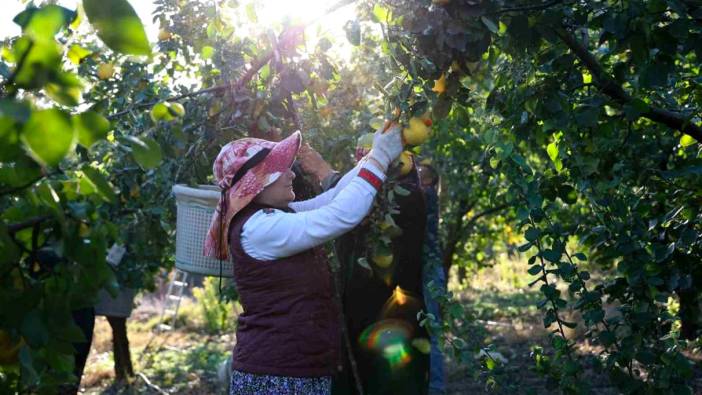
<point x="280" y="193"/>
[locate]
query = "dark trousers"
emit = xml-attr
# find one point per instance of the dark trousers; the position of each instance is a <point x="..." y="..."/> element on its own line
<point x="85" y="319"/>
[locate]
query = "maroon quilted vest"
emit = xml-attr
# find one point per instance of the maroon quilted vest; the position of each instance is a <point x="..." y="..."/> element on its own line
<point x="290" y="325"/>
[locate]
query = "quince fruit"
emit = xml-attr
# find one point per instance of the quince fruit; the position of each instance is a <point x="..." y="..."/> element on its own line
<point x="164" y="35"/>
<point x="406" y="163"/>
<point x="418" y="131"/>
<point x="383" y="260"/>
<point x="105" y="71"/>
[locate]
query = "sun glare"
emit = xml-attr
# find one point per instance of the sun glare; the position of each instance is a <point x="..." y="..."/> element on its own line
<point x="274" y="14"/>
<point x="298" y="11"/>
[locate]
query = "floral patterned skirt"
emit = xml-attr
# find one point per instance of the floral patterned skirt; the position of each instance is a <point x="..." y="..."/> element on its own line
<point x="258" y="384"/>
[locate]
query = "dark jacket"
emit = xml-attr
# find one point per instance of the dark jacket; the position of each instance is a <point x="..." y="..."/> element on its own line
<point x="289" y="326"/>
<point x="371" y="310"/>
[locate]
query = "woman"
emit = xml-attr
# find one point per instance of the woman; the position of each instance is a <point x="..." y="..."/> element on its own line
<point x="288" y="335"/>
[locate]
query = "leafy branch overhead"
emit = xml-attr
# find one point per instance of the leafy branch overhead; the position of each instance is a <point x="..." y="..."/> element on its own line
<point x="566" y="134"/>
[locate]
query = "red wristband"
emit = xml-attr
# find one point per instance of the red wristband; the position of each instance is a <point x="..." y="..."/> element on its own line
<point x="371" y="178"/>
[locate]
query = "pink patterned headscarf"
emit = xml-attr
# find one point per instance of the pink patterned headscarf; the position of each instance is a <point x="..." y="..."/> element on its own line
<point x="230" y="160"/>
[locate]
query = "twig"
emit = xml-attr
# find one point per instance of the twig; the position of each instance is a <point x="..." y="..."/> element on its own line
<point x="537" y="7"/>
<point x="151" y="385"/>
<point x="14" y="228"/>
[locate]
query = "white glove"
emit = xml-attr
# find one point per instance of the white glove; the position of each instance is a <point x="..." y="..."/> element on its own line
<point x="386" y="146"/>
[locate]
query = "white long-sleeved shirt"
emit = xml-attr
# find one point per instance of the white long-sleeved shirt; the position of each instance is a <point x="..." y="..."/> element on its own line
<point x="274" y="234"/>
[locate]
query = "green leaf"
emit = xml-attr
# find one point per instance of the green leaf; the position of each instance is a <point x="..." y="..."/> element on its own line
<point x="251" y="12"/>
<point x="118" y="26"/>
<point x="42" y="60"/>
<point x="34" y="330"/>
<point x="534" y="270"/>
<point x="363" y="262"/>
<point x="20" y="171"/>
<point x="146" y="151"/>
<point x="568" y="194"/>
<point x="9" y="252"/>
<point x="9" y="140"/>
<point x="686" y="140"/>
<point x="65" y="89"/>
<point x="607" y="338"/>
<point x="91" y="127"/>
<point x="552" y="255"/>
<point x="552" y="150"/>
<point x="48" y="136"/>
<point x="380" y="13"/>
<point x="29" y="375"/>
<point x="646" y="357"/>
<point x="76" y="53"/>
<point x="490" y="24"/>
<point x="207" y="52"/>
<point x="518" y="159"/>
<point x="101" y="186"/>
<point x="71" y="333"/>
<point x="532" y="234"/>
<point x="401" y="191"/>
<point x="43" y="23"/>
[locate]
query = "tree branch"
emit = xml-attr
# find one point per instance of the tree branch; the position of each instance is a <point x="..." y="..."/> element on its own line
<point x="16" y="227"/>
<point x="454" y="233"/>
<point x="537" y="7"/>
<point x="255" y="67"/>
<point x="610" y="87"/>
<point x="489" y="211"/>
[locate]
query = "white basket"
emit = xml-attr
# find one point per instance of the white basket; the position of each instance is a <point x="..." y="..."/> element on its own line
<point x="195" y="208"/>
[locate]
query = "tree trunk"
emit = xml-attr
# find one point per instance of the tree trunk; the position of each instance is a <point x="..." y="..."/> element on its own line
<point x="454" y="234"/>
<point x="120" y="348"/>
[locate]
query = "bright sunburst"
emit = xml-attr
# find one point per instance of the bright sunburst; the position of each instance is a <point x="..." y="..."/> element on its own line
<point x="274" y="14"/>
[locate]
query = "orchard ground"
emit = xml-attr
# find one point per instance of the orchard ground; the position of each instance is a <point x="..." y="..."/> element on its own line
<point x="186" y="360"/>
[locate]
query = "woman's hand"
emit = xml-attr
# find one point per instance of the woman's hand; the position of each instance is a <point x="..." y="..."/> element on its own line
<point x="313" y="163"/>
<point x="387" y="146"/>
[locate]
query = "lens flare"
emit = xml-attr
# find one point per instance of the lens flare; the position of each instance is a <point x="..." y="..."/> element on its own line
<point x="400" y="301"/>
<point x="389" y="338"/>
<point x="399" y="295"/>
<point x="397" y="355"/>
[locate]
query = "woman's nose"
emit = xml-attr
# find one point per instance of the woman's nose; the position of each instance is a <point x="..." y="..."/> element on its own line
<point x="291" y="174"/>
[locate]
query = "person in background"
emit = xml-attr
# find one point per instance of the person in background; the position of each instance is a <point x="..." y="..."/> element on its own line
<point x="288" y="335"/>
<point x="432" y="272"/>
<point x="381" y="302"/>
<point x="83" y="317"/>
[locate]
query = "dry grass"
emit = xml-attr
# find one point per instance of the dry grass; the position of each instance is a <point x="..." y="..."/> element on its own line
<point x="180" y="361"/>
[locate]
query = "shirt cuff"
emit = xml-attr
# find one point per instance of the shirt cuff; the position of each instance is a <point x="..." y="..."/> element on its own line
<point x="372" y="175"/>
<point x="378" y="173"/>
